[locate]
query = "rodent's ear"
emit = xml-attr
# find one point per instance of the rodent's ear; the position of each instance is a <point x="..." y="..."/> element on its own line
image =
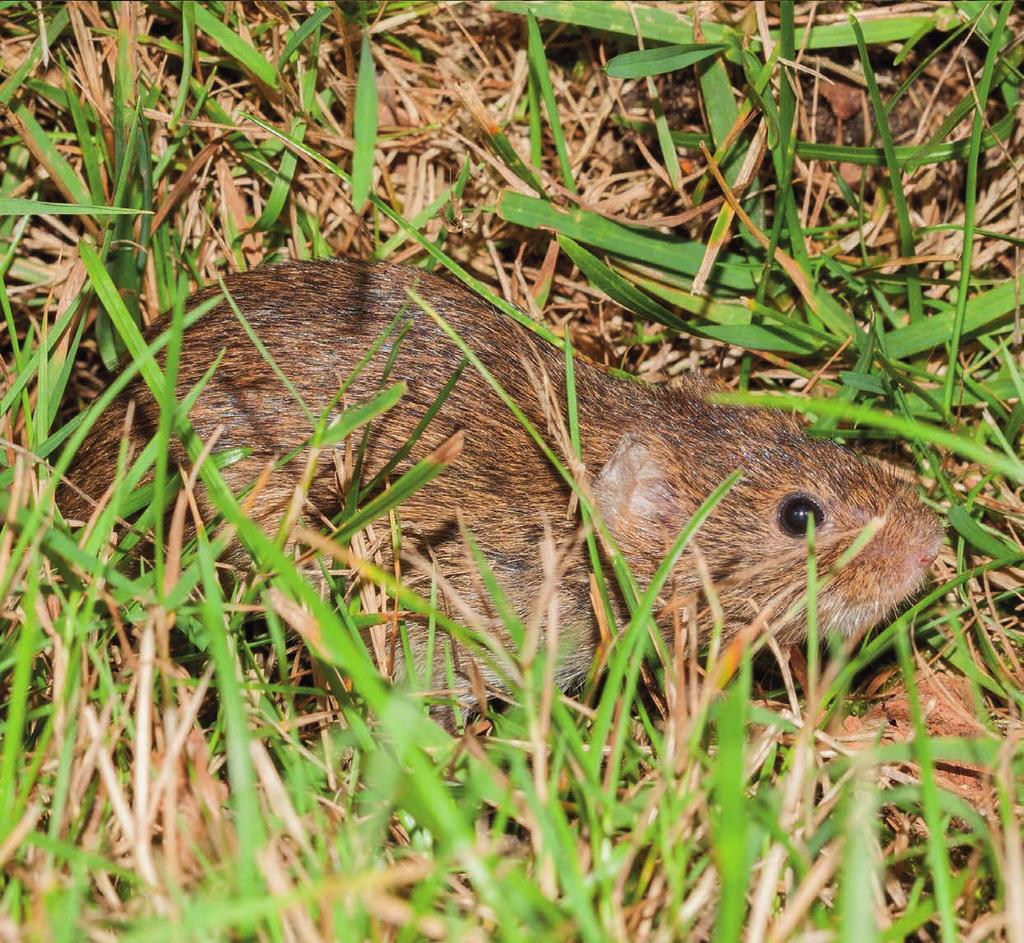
<point x="632" y="489"/>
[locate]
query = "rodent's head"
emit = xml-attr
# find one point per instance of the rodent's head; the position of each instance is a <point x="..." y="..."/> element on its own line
<point x="755" y="542"/>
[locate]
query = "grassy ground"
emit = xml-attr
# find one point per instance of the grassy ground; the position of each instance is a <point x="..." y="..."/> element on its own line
<point x="174" y="764"/>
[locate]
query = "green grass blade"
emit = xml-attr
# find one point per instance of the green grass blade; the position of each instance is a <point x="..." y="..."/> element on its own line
<point x="675" y="255"/>
<point x="364" y="128"/>
<point x="899" y="197"/>
<point x="542" y="78"/>
<point x="661" y="59"/>
<point x="234" y="46"/>
<point x="970" y="204"/>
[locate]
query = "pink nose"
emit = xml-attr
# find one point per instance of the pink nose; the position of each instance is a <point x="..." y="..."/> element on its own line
<point x="925" y="557"/>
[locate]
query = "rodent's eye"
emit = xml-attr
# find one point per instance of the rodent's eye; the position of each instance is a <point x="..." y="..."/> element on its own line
<point x="796" y="510"/>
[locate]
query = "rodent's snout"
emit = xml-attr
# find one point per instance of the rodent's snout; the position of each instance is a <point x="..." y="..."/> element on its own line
<point x="892" y="566"/>
<point x="926" y="557"/>
<point x="917" y="540"/>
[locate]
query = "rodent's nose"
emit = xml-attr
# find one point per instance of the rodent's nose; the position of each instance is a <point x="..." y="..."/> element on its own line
<point x="924" y="556"/>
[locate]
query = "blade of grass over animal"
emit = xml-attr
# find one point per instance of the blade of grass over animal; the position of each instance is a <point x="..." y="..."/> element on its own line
<point x="572" y="413"/>
<point x="661" y="59"/>
<point x="59" y="547"/>
<point x="229" y="39"/>
<point x="326" y="435"/>
<point x="624" y="664"/>
<point x="676" y="255"/>
<point x="416" y="433"/>
<point x="970" y="205"/>
<point x="813" y="637"/>
<point x="16" y="707"/>
<point x="938" y="861"/>
<point x="510" y="620"/>
<point x="729" y="832"/>
<point x="457" y="270"/>
<point x="402" y="489"/>
<point x="914" y="430"/>
<point x="401" y="326"/>
<point x="542" y="77"/>
<point x="479" y="645"/>
<point x="364" y="128"/>
<point x="138" y="497"/>
<point x="60" y="468"/>
<point x="265" y="355"/>
<point x="165" y="427"/>
<point x="899" y="198"/>
<point x="628" y="584"/>
<point x="232" y="705"/>
<point x="616" y="287"/>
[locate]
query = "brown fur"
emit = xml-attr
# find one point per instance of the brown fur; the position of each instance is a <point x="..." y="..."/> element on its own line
<point x="652" y="454"/>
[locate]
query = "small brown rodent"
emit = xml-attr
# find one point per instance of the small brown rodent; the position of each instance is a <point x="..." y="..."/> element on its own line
<point x="651" y="453"/>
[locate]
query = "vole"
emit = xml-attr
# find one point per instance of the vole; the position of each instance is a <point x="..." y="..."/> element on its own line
<point x="651" y="455"/>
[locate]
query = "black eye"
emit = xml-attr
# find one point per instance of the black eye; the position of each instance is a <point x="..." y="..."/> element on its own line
<point x="796" y="510"/>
